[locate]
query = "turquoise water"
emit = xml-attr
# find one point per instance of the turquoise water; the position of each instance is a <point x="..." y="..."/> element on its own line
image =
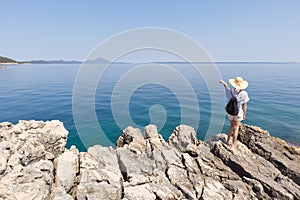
<point x="44" y="92"/>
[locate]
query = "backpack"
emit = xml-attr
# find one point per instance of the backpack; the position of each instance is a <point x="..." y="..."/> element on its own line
<point x="232" y="106"/>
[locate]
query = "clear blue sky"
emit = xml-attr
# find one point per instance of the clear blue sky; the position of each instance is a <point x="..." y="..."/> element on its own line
<point x="231" y="30"/>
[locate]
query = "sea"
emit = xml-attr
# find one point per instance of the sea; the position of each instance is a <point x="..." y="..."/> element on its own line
<point x="96" y="103"/>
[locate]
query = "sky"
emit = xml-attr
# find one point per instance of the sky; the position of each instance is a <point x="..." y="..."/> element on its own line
<point x="230" y="30"/>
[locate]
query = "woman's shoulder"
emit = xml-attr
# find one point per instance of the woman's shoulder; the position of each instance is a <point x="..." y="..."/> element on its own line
<point x="243" y="96"/>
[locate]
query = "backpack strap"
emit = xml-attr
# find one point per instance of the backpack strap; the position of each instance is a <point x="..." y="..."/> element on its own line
<point x="236" y="94"/>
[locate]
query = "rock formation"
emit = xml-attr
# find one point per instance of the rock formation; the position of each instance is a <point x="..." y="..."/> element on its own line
<point x="27" y="152"/>
<point x="34" y="164"/>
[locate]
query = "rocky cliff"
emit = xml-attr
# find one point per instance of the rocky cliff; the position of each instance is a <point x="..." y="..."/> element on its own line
<point x="34" y="164"/>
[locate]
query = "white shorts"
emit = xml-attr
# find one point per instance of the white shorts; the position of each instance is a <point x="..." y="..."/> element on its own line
<point x="237" y="118"/>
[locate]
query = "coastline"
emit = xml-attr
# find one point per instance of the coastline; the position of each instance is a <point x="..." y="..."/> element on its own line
<point x="292" y="143"/>
<point x="6" y="65"/>
<point x="36" y="165"/>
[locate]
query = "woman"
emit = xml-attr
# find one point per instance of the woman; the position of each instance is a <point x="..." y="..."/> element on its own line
<point x="238" y="91"/>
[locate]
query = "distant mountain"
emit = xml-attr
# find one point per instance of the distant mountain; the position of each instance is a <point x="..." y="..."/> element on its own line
<point x="54" y="62"/>
<point x="102" y="61"/>
<point x="97" y="61"/>
<point x="6" y="60"/>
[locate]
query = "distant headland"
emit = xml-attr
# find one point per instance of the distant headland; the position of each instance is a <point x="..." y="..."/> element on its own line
<point x="7" y="61"/>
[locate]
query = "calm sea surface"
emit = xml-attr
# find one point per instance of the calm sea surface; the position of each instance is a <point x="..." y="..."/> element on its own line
<point x="122" y="97"/>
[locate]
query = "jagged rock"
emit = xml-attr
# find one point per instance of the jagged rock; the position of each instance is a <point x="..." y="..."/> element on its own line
<point x="51" y="134"/>
<point x="133" y="139"/>
<point x="26" y="154"/>
<point x="211" y="179"/>
<point x="59" y="193"/>
<point x="5" y="152"/>
<point x="67" y="168"/>
<point x="3" y="164"/>
<point x="179" y="177"/>
<point x="28" y="182"/>
<point x="100" y="177"/>
<point x="31" y="151"/>
<point x="182" y="137"/>
<point x="182" y="170"/>
<point x="275" y="150"/>
<point x="146" y="169"/>
<point x="247" y="164"/>
<point x="34" y="164"/>
<point x="139" y="192"/>
<point x="153" y="138"/>
<point x="162" y="188"/>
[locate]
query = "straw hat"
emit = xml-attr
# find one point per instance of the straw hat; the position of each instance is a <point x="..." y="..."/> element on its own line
<point x="239" y="83"/>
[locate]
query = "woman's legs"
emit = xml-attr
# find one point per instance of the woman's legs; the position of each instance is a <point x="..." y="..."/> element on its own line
<point x="230" y="130"/>
<point x="236" y="126"/>
<point x="233" y="131"/>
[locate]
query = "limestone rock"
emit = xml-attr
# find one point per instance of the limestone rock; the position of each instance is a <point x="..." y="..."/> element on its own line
<point x="153" y="138"/>
<point x="182" y="137"/>
<point x="34" y="164"/>
<point x="26" y="155"/>
<point x="100" y="177"/>
<point x="67" y="168"/>
<point x="28" y="182"/>
<point x="59" y="193"/>
<point x="139" y="192"/>
<point x="247" y="164"/>
<point x="285" y="157"/>
<point x="133" y="139"/>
